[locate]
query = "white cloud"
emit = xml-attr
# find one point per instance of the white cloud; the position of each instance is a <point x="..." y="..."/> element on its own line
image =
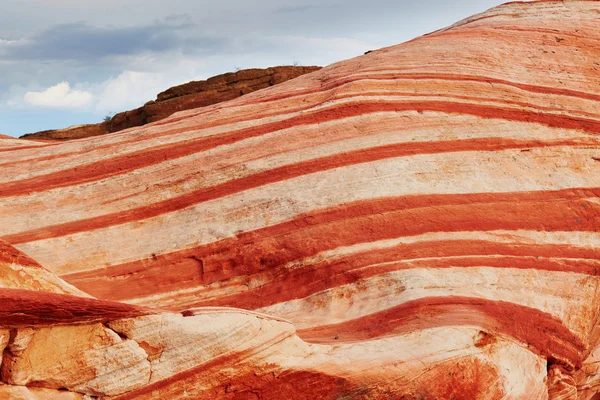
<point x="129" y="90"/>
<point x="144" y="77"/>
<point x="59" y="96"/>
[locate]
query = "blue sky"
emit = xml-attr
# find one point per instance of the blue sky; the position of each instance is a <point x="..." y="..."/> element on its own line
<point x="69" y="62"/>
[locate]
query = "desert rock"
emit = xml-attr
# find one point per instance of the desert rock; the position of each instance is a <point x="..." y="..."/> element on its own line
<point x="419" y="222"/>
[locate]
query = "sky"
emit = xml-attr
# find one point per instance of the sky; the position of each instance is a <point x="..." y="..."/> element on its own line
<point x="70" y="62"/>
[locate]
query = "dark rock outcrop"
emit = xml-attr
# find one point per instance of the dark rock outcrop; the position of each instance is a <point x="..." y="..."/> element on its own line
<point x="183" y="97"/>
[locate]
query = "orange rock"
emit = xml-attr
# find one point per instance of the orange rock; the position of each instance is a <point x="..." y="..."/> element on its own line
<point x="419" y="222"/>
<point x="18" y="271"/>
<point x="10" y="392"/>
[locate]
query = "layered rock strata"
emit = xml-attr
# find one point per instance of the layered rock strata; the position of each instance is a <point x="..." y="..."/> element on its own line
<point x="61" y="346"/>
<point x="426" y="217"/>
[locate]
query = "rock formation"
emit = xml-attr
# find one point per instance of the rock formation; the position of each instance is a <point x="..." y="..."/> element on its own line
<point x="420" y="222"/>
<point x="183" y="97"/>
<point x="59" y="345"/>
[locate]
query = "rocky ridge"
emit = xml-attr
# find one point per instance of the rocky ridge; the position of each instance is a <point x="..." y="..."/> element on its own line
<point x="183" y="97"/>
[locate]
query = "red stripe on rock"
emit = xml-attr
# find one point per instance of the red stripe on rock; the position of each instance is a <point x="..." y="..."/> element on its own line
<point x="274" y="175"/>
<point x="541" y="331"/>
<point x="285" y="285"/>
<point x="23" y="308"/>
<point x="10" y="255"/>
<point x="122" y="164"/>
<point x="349" y="224"/>
<point x="467" y="378"/>
<point x="469" y="78"/>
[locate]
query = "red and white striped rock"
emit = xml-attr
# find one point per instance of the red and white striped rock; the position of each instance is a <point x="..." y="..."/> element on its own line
<point x="18" y="271"/>
<point x="429" y="202"/>
<point x="59" y="346"/>
<point x="231" y="354"/>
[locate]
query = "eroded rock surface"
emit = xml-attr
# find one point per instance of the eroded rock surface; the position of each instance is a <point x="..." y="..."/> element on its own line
<point x="419" y="222"/>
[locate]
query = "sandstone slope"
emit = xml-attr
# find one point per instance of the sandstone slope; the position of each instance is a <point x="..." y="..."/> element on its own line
<point x="55" y="345"/>
<point x="183" y="97"/>
<point x="427" y="216"/>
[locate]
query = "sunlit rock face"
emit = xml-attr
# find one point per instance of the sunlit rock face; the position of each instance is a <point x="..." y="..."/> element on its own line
<point x="419" y="222"/>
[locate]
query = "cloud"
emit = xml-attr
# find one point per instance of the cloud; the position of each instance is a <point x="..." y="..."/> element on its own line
<point x="128" y="90"/>
<point x="115" y="55"/>
<point x="86" y="43"/>
<point x="138" y="84"/>
<point x="140" y="77"/>
<point x="293" y="9"/>
<point x="59" y="96"/>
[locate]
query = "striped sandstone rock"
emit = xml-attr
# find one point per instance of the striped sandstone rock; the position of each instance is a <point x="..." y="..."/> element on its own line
<point x="426" y="217"/>
<point x="61" y="346"/>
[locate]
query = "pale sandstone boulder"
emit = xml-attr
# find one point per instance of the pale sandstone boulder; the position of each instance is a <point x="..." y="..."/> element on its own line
<point x="84" y="358"/>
